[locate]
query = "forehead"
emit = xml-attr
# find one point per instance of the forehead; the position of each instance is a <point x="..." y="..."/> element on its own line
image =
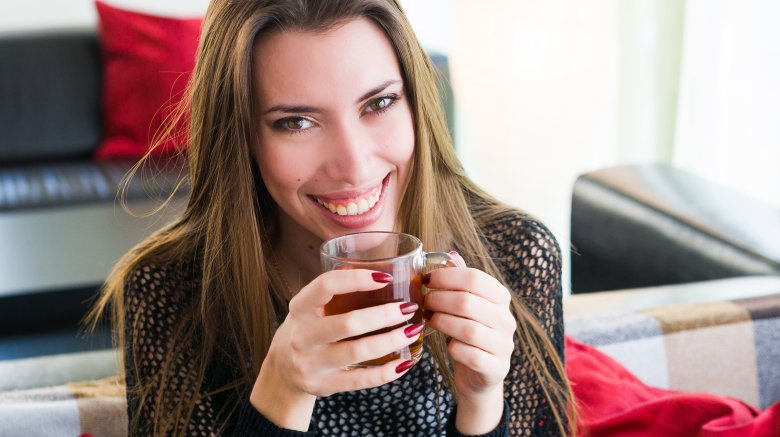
<point x="343" y="61"/>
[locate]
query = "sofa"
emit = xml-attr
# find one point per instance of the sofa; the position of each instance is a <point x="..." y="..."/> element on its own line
<point x="676" y="279"/>
<point x="60" y="223"/>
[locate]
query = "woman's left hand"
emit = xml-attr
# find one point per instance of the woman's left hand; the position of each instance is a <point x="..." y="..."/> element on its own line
<point x="473" y="308"/>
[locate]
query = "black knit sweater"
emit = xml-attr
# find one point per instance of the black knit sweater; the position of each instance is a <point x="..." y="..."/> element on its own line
<point x="416" y="404"/>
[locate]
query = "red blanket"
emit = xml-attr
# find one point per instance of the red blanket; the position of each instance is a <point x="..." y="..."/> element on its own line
<point x="613" y="402"/>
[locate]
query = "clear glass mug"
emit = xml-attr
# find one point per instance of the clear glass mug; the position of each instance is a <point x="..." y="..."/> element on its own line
<point x="398" y="254"/>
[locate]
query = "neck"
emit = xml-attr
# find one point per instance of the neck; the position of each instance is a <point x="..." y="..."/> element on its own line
<point x="298" y="257"/>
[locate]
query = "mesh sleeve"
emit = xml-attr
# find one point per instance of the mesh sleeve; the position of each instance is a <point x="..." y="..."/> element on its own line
<point x="153" y="298"/>
<point x="530" y="259"/>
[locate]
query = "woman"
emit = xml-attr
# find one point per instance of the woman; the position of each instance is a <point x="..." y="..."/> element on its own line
<point x="299" y="108"/>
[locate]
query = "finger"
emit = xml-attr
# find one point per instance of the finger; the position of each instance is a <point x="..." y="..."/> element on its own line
<point x="360" y="379"/>
<point x="474" y="334"/>
<point x="471" y="280"/>
<point x="478" y="360"/>
<point x="470" y="306"/>
<point x="322" y="289"/>
<point x="330" y="329"/>
<point x="371" y="347"/>
<point x="461" y="261"/>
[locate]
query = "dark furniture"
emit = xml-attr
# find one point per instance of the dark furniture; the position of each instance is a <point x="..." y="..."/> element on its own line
<point x="647" y="225"/>
<point x="60" y="226"/>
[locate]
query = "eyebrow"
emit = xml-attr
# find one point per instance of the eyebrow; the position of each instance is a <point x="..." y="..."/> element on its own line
<point x="297" y="109"/>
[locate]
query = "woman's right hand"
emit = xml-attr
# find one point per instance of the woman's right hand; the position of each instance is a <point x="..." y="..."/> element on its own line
<point x="306" y="358"/>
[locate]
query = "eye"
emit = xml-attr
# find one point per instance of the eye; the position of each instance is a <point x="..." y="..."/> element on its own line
<point x="381" y="103"/>
<point x="295" y="124"/>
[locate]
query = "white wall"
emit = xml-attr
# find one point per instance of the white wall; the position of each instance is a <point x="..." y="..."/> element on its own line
<point x="537" y="89"/>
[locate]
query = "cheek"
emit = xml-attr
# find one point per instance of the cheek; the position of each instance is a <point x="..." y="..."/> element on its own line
<point x="399" y="140"/>
<point x="281" y="172"/>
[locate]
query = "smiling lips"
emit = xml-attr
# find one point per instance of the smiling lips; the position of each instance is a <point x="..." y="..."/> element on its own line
<point x="355" y="205"/>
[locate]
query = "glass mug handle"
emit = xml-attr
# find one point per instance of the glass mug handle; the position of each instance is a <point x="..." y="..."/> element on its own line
<point x="442" y="259"/>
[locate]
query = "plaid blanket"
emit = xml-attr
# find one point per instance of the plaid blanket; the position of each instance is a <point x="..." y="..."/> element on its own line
<point x="92" y="407"/>
<point x="729" y="348"/>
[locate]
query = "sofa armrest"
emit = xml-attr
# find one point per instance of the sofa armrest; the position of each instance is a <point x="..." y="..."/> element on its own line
<point x="646" y="225"/>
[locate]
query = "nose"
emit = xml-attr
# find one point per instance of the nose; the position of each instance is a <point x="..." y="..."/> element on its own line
<point x="350" y="153"/>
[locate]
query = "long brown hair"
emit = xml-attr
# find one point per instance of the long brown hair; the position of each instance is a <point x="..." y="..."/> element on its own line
<point x="230" y="217"/>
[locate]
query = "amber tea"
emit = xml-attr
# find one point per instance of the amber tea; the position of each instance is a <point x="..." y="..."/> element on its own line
<point x="406" y="289"/>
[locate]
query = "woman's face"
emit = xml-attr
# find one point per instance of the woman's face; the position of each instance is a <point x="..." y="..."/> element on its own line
<point x="336" y="134"/>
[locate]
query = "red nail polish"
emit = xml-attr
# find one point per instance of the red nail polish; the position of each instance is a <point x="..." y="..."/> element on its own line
<point x="382" y="277"/>
<point x="404" y="366"/>
<point x="409" y="308"/>
<point x="426" y="279"/>
<point x="413" y="330"/>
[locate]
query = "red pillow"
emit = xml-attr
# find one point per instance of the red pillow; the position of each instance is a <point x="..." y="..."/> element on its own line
<point x="147" y="61"/>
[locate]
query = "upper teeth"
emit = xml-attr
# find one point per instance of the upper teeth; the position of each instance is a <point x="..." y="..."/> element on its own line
<point x="354" y="207"/>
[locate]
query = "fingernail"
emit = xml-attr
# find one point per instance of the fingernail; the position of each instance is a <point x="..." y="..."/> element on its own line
<point x="382" y="277"/>
<point x="426" y="279"/>
<point x="427" y="314"/>
<point x="409" y="308"/>
<point x="413" y="330"/>
<point x="404" y="366"/>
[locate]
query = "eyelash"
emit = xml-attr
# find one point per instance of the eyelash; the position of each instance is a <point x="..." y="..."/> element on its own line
<point x="394" y="98"/>
<point x="279" y="124"/>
